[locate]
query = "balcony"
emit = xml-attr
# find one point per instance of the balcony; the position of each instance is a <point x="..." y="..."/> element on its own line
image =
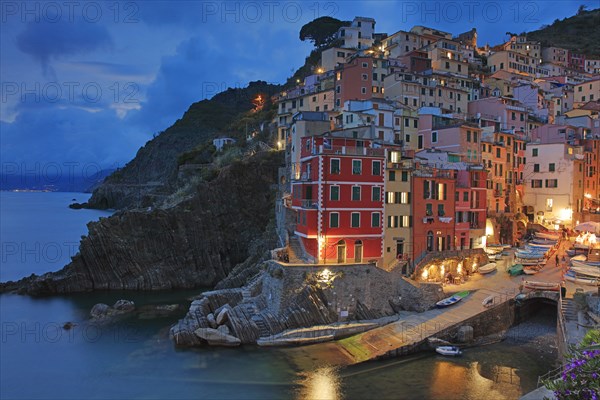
<point x="351" y="151"/>
<point x="497" y="193"/>
<point x="309" y="203"/>
<point x="302" y="177"/>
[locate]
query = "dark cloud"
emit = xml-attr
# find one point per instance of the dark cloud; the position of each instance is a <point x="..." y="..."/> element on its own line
<point x="45" y="41"/>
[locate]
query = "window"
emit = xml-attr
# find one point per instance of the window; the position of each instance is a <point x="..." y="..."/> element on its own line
<point x="434" y="137"/>
<point x="551" y="167"/>
<point x="536" y="167"/>
<point x="356" y="167"/>
<point x="406" y="122"/>
<point x="465" y="196"/>
<point x="375" y="218"/>
<point x="392" y="176"/>
<point x="441" y="212"/>
<point x="355" y="193"/>
<point x="355" y="220"/>
<point x="376" y="193"/>
<point x="551" y="183"/>
<point x="415" y="123"/>
<point x="365" y="65"/>
<point x="549" y="203"/>
<point x="405" y="198"/>
<point x="428" y="209"/>
<point x="534" y="152"/>
<point x="335" y="166"/>
<point x="364" y="77"/>
<point x="404" y="176"/>
<point x="468" y="136"/>
<point x="334" y="220"/>
<point x="536" y="183"/>
<point x="334" y="193"/>
<point x="376" y="168"/>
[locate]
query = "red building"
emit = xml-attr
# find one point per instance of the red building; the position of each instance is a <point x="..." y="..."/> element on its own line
<point x="449" y="208"/>
<point x="361" y="78"/>
<point x="338" y="197"/>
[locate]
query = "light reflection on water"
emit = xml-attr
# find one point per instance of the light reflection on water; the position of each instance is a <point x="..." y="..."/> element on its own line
<point x="322" y="384"/>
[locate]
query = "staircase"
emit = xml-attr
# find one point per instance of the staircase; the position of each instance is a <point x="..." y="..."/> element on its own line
<point x="569" y="310"/>
<point x="295" y="251"/>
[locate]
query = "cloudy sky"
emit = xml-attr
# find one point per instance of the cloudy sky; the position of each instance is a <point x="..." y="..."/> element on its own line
<point x="91" y="82"/>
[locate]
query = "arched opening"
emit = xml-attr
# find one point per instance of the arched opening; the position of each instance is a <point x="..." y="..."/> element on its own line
<point x="358" y="251"/>
<point x="341" y="252"/>
<point x="430" y="241"/>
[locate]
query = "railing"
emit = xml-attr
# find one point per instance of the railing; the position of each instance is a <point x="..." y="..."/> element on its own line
<point x="309" y="203"/>
<point x="352" y="151"/>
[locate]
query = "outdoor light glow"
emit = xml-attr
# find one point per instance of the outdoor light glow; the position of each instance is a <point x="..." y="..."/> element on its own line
<point x="566" y="214"/>
<point x="459" y="268"/>
<point x="425" y="273"/>
<point x="442" y="269"/>
<point x="588" y="196"/>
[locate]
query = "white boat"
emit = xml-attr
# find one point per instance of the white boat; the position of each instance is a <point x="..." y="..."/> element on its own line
<point x="584" y="264"/>
<point x="532" y="269"/>
<point x="581" y="280"/>
<point x="579" y="257"/>
<point x="530" y="261"/>
<point x="487" y="268"/>
<point x="541" y="245"/>
<point x="547" y="235"/>
<point x="589" y="271"/>
<point x="541" y="285"/>
<point x="488" y="301"/>
<point x="448" y="350"/>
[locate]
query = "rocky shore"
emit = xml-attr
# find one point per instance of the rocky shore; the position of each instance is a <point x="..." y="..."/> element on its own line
<point x="294" y="305"/>
<point x="194" y="241"/>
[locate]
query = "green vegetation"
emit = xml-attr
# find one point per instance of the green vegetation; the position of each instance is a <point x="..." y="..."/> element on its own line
<point x="321" y="31"/>
<point x="579" y="33"/>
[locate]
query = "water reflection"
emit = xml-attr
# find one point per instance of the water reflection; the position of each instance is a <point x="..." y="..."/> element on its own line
<point x="320" y="384"/>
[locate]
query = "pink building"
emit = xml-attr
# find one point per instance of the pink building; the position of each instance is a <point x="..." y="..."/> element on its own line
<point x="506" y="112"/>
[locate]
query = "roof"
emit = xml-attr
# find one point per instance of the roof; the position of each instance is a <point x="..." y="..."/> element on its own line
<point x="591" y="105"/>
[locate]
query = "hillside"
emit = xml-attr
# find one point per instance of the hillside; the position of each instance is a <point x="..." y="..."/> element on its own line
<point x="153" y="170"/>
<point x="579" y="33"/>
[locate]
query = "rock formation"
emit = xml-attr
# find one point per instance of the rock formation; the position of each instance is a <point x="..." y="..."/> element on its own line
<point x="196" y="242"/>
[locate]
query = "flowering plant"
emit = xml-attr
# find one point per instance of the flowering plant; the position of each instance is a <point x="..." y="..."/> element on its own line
<point x="580" y="378"/>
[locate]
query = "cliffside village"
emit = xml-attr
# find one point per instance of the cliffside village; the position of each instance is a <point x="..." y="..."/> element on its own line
<point x="409" y="143"/>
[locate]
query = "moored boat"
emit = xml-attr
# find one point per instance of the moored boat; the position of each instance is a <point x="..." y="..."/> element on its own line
<point x="541" y="285"/>
<point x="452" y="299"/>
<point x="571" y="276"/>
<point x="589" y="271"/>
<point x="541" y="245"/>
<point x="530" y="261"/>
<point x="487" y="268"/>
<point x="516" y="269"/>
<point x="532" y="269"/>
<point x="448" y="350"/>
<point x="547" y="235"/>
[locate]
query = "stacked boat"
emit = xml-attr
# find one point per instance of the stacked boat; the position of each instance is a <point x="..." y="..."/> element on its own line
<point x="584" y="270"/>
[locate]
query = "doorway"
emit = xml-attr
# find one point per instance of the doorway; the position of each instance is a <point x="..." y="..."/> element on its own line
<point x="358" y="251"/>
<point x="341" y="252"/>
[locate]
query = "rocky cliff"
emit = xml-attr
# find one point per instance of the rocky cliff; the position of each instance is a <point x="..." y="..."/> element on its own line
<point x="193" y="242"/>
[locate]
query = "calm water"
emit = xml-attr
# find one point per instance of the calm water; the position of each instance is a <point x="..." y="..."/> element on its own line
<point x="135" y="359"/>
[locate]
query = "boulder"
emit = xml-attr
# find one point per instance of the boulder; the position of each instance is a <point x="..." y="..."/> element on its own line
<point x="224" y="329"/>
<point x="223" y="316"/>
<point x="100" y="310"/>
<point x="215" y="337"/>
<point x="124" y="305"/>
<point x="212" y="322"/>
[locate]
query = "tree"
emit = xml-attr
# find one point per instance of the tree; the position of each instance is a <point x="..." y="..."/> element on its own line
<point x="321" y="31"/>
<point x="581" y="9"/>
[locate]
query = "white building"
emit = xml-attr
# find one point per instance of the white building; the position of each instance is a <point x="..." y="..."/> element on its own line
<point x="219" y="143"/>
<point x="359" y="35"/>
<point x="553" y="178"/>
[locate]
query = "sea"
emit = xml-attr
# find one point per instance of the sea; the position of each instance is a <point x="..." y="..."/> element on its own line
<point x="134" y="359"/>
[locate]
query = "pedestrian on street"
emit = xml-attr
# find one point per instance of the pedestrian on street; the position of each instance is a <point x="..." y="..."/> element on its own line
<point x="556" y="259"/>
